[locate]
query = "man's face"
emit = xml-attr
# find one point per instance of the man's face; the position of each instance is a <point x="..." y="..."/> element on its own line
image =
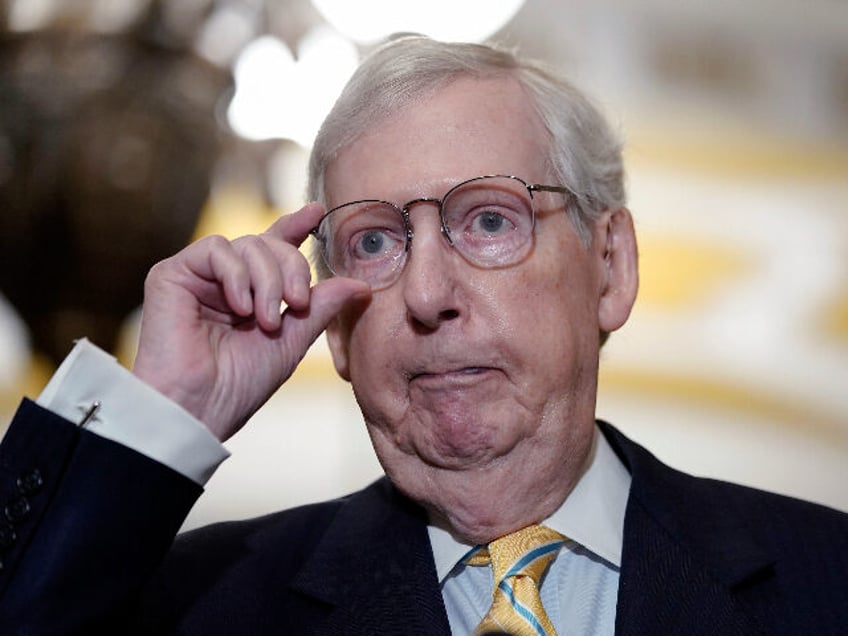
<point x="475" y="384"/>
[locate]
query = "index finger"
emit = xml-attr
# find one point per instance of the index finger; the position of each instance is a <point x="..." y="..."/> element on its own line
<point x="295" y="227"/>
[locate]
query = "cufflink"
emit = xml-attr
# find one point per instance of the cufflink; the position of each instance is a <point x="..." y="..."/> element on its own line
<point x="89" y="414"/>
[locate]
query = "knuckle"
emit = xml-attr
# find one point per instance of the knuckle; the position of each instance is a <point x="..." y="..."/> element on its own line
<point x="250" y="243"/>
<point x="215" y="242"/>
<point x="155" y="273"/>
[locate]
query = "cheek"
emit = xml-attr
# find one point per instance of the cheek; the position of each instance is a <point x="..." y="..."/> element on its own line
<point x="555" y="313"/>
<point x="372" y="338"/>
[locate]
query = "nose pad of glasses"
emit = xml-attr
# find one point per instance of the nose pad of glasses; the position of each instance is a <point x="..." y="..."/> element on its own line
<point x="446" y="233"/>
<point x="443" y="227"/>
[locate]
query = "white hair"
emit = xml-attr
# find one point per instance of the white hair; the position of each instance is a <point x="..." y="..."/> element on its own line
<point x="584" y="154"/>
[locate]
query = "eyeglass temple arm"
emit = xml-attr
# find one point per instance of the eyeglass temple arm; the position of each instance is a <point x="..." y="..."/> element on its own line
<point x="538" y="187"/>
<point x="549" y="188"/>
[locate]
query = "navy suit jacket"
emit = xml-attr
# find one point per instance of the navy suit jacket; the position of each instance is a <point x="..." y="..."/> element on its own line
<point x="86" y="548"/>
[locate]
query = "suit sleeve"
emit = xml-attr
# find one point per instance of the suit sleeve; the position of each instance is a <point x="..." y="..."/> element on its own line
<point x="83" y="523"/>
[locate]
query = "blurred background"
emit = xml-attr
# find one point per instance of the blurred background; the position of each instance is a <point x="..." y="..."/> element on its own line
<point x="129" y="127"/>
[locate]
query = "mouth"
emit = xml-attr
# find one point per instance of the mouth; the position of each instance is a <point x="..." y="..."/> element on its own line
<point x="453" y="377"/>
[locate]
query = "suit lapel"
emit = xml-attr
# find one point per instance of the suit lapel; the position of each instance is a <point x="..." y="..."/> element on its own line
<point x="666" y="589"/>
<point x="375" y="566"/>
<point x="690" y="564"/>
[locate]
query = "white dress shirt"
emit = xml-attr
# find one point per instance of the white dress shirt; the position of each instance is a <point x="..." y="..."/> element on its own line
<point x="131" y="413"/>
<point x="580" y="589"/>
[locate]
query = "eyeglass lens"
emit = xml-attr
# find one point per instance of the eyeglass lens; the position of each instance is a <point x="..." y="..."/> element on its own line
<point x="489" y="220"/>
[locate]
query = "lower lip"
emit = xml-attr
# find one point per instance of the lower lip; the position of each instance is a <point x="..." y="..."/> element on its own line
<point x="453" y="379"/>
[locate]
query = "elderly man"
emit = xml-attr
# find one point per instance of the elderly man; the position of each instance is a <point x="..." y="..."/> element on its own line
<point x="475" y="253"/>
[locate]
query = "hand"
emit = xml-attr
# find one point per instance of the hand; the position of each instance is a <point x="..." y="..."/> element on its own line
<point x="212" y="335"/>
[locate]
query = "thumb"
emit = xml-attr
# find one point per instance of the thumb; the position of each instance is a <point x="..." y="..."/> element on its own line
<point x="327" y="299"/>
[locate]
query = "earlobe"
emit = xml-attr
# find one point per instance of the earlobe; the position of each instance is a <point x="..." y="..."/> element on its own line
<point x="338" y="349"/>
<point x="620" y="271"/>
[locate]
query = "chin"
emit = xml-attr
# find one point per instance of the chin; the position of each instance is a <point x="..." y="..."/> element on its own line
<point x="463" y="443"/>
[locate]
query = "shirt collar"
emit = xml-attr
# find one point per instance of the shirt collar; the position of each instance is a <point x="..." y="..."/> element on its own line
<point x="592" y="514"/>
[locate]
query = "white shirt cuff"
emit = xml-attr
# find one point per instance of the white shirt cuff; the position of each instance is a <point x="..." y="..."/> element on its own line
<point x="131" y="413"/>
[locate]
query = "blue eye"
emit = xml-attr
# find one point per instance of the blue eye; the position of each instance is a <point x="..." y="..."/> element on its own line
<point x="372" y="243"/>
<point x="489" y="222"/>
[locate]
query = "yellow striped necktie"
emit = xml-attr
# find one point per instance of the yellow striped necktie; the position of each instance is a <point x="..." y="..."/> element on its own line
<point x="518" y="562"/>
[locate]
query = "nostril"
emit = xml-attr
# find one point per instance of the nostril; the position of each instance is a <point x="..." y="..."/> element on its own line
<point x="425" y="324"/>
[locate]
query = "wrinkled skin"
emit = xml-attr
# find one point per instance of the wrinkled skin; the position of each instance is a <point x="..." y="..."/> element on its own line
<point x="212" y="335"/>
<point x="478" y="386"/>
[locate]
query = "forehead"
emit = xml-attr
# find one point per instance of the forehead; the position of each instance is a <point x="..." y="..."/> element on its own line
<point x="466" y="129"/>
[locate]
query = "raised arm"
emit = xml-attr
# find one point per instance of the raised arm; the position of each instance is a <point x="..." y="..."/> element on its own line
<point x="90" y="517"/>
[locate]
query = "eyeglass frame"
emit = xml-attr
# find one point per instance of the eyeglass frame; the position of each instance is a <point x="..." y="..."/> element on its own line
<point x="403" y="211"/>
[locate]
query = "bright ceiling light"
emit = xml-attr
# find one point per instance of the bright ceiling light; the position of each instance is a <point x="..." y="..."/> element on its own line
<point x="368" y="21"/>
<point x="278" y="96"/>
<point x="261" y="73"/>
<point x="29" y="15"/>
<point x="224" y="34"/>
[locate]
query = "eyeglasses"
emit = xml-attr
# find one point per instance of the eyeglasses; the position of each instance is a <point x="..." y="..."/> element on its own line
<point x="489" y="220"/>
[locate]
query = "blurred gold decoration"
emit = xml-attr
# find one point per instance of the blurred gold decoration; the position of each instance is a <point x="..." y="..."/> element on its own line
<point x="836" y="319"/>
<point x="675" y="272"/>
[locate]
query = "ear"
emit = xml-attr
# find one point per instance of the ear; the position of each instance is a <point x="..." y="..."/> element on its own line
<point x="338" y="341"/>
<point x="620" y="270"/>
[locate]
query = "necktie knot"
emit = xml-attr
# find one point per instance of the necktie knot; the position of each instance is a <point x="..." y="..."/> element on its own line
<point x="519" y="560"/>
<point x="527" y="552"/>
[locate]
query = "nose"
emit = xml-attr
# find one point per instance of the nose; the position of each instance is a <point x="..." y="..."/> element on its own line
<point x="430" y="278"/>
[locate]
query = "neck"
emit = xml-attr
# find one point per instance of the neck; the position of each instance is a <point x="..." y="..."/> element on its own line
<point x="478" y="506"/>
